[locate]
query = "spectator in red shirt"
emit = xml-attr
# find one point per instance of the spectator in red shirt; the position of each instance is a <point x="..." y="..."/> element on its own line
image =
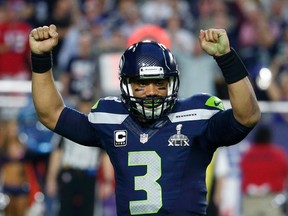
<point x="264" y="175"/>
<point x="14" y="49"/>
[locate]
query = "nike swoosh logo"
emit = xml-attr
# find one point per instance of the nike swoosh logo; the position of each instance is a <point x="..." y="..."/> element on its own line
<point x="217" y="103"/>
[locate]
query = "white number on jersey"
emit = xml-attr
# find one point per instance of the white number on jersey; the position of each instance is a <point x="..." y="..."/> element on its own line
<point x="147" y="182"/>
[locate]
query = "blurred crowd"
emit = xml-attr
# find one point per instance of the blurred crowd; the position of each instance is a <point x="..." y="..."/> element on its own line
<point x="88" y="28"/>
<point x="93" y="34"/>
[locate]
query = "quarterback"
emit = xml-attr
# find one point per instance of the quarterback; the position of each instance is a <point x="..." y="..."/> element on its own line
<point x="159" y="145"/>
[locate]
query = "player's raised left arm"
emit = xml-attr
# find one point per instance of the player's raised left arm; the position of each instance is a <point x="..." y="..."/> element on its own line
<point x="46" y="97"/>
<point x="246" y="110"/>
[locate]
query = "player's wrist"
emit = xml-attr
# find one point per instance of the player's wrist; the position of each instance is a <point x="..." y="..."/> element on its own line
<point x="231" y="66"/>
<point x="41" y="63"/>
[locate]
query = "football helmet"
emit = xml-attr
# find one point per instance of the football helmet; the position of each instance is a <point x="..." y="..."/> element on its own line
<point x="148" y="60"/>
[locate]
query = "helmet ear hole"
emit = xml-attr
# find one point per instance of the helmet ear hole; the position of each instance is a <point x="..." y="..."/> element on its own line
<point x="148" y="60"/>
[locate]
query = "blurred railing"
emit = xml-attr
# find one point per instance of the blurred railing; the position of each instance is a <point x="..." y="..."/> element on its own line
<point x="13" y="93"/>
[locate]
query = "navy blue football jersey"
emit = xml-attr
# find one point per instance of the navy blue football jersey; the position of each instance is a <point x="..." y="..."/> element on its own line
<point x="160" y="168"/>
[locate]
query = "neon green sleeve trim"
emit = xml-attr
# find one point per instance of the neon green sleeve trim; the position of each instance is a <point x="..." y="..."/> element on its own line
<point x="214" y="101"/>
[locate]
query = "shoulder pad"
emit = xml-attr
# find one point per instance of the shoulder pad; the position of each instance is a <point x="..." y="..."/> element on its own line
<point x="109" y="104"/>
<point x="200" y="101"/>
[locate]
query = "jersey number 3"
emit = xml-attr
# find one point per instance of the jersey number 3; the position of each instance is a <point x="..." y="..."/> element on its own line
<point x="147" y="182"/>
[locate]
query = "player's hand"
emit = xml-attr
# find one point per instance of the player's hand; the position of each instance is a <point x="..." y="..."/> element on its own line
<point x="214" y="42"/>
<point x="43" y="39"/>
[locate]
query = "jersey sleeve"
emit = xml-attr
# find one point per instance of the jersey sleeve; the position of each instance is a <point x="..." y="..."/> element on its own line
<point x="224" y="130"/>
<point x="75" y="126"/>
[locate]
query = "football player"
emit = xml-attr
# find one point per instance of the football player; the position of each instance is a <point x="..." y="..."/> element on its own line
<point x="158" y="144"/>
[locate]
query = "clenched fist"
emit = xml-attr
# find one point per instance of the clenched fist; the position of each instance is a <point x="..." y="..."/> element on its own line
<point x="214" y="42"/>
<point x="43" y="39"/>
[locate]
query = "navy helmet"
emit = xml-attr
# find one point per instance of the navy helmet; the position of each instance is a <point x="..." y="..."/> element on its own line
<point x="148" y="60"/>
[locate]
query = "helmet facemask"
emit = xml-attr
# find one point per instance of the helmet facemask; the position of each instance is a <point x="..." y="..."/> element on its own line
<point x="150" y="108"/>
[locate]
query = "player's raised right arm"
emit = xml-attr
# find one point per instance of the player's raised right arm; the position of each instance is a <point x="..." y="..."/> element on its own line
<point x="47" y="99"/>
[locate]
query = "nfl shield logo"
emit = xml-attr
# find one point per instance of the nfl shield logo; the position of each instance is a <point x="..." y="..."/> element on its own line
<point x="143" y="138"/>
